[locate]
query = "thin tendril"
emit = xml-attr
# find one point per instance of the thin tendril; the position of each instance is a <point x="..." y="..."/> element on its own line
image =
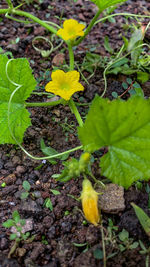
<point x="115" y="61"/>
<point x="18" y="86"/>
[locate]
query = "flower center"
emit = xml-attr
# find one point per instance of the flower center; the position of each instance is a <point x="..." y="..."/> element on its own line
<point x="71" y="31"/>
<point x="65" y="86"/>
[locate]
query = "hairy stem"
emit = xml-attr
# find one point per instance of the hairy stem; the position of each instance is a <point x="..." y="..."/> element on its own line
<point x="88" y="28"/>
<point x="44" y="104"/>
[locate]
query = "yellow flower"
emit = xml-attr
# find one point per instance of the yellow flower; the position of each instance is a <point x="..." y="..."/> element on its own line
<point x="64" y="84"/>
<point x="89" y="199"/>
<point x="71" y="30"/>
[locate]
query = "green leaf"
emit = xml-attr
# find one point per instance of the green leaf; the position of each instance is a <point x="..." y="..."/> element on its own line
<point x="136" y="37"/>
<point x="143" y="218"/>
<point x="13" y="236"/>
<point x="138" y="90"/>
<point x="49" y="151"/>
<point x="107" y="45"/>
<point x="24" y="195"/>
<point x="143" y="76"/>
<point x="22" y="222"/>
<point x="48" y="204"/>
<point x="123" y="235"/>
<point x="123" y="127"/>
<point x="9" y="223"/>
<point x="18" y="72"/>
<point x="55" y="192"/>
<point x="134" y="245"/>
<point x="26" y="185"/>
<point x="98" y="254"/>
<point x="16" y="216"/>
<point x="103" y="4"/>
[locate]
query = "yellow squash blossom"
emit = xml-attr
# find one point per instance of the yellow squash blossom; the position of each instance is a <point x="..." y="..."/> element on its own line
<point x="64" y="84"/>
<point x="89" y="199"/>
<point x="71" y="30"/>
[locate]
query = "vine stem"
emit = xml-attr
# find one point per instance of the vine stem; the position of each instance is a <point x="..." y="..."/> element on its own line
<point x="71" y="56"/>
<point x="121" y="14"/>
<point x="71" y="103"/>
<point x="103" y="245"/>
<point x="74" y="110"/>
<point x="88" y="28"/>
<point x="44" y="104"/>
<point x="30" y="16"/>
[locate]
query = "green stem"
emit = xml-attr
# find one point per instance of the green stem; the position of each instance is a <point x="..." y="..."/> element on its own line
<point x="30" y="16"/>
<point x="37" y="20"/>
<point x="88" y="28"/>
<point x="121" y="14"/>
<point x="71" y="56"/>
<point x="44" y="104"/>
<point x="75" y="111"/>
<point x="9" y="3"/>
<point x="71" y="103"/>
<point x="4" y="11"/>
<point x="103" y="246"/>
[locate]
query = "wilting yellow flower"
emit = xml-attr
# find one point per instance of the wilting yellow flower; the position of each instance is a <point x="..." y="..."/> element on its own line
<point x="89" y="199"/>
<point x="64" y="84"/>
<point x="71" y="30"/>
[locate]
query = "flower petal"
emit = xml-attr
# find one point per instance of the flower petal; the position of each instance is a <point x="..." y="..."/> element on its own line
<point x="73" y="76"/>
<point x="58" y="75"/>
<point x="70" y="23"/>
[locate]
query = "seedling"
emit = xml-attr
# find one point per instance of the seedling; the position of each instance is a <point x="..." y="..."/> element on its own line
<point x="145" y="251"/>
<point x="48" y="204"/>
<point x="44" y="241"/>
<point x="127" y="242"/>
<point x="27" y="188"/>
<point x="18" y="234"/>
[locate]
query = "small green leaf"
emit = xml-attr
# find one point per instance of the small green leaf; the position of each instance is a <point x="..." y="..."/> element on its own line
<point x="26" y="185"/>
<point x="143" y="76"/>
<point x="103" y="4"/>
<point x="22" y="222"/>
<point x="13" y="236"/>
<point x="49" y="151"/>
<point x="16" y="216"/>
<point x="121" y="247"/>
<point x="55" y="192"/>
<point x="48" y="204"/>
<point x="129" y="80"/>
<point x="114" y="94"/>
<point x="125" y="85"/>
<point x="24" y="195"/>
<point x="134" y="245"/>
<point x="107" y="45"/>
<point x="124" y="235"/>
<point x="9" y="223"/>
<point x="98" y="254"/>
<point x="144" y="219"/>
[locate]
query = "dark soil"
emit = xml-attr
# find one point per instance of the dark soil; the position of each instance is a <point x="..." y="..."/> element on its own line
<point x="58" y="231"/>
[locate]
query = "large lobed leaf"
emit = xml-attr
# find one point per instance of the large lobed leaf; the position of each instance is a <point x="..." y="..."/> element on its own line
<point x="103" y="4"/>
<point x="20" y="73"/>
<point x="124" y="128"/>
